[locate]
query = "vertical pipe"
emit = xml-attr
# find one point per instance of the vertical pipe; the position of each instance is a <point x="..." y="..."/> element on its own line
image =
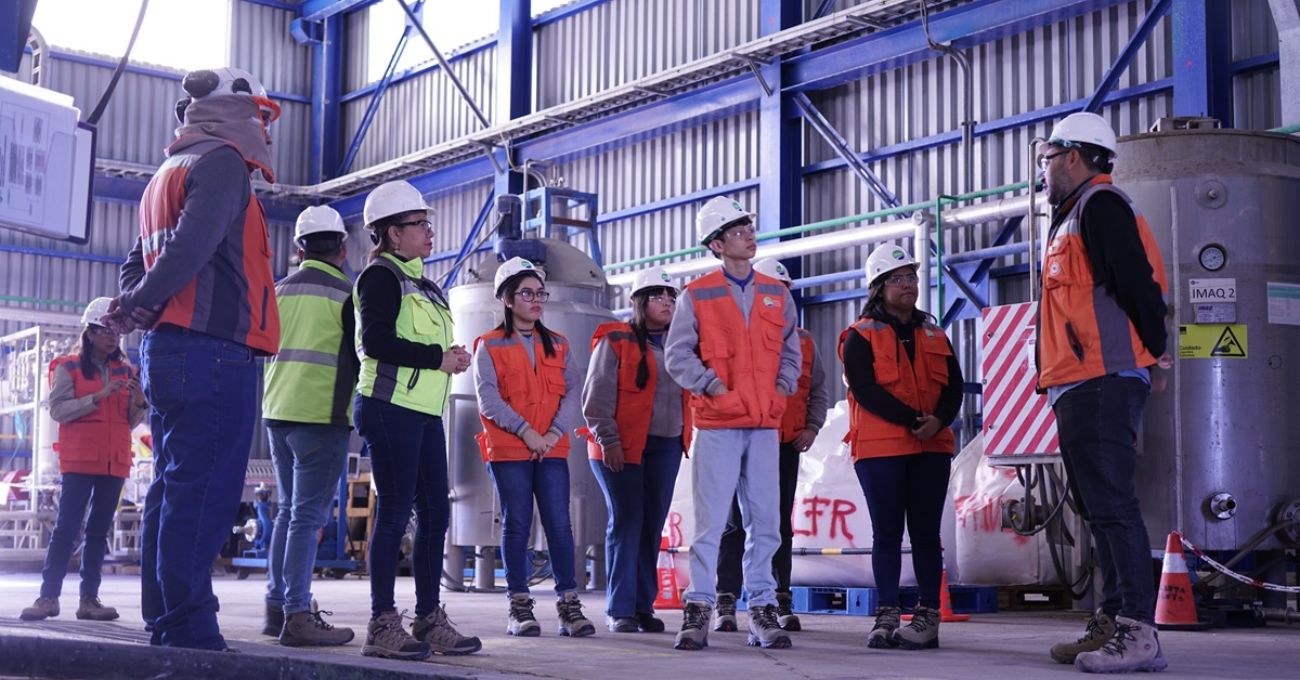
<point x="1032" y="222"/>
<point x="921" y="251"/>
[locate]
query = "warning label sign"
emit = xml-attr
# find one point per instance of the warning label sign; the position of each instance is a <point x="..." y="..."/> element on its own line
<point x="1212" y="341"/>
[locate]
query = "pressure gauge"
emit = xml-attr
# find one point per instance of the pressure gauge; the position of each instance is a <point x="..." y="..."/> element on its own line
<point x="1213" y="258"/>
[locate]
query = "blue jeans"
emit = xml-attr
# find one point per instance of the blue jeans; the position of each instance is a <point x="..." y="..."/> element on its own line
<point x="308" y="461"/>
<point x="202" y="393"/>
<point x="518" y="482"/>
<point x="638" y="499"/>
<point x="408" y="459"/>
<point x="911" y="490"/>
<point x="1099" y="422"/>
<point x="100" y="493"/>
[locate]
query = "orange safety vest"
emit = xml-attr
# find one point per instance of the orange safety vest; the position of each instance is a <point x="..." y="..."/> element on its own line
<point x="533" y="392"/>
<point x="635" y="407"/>
<point x="917" y="384"/>
<point x="98" y="443"/>
<point x="745" y="357"/>
<point x="1082" y="332"/>
<point x="231" y="297"/>
<point x="796" y="407"/>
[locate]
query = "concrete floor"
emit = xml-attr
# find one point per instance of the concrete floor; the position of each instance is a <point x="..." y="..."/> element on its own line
<point x="1003" y="646"/>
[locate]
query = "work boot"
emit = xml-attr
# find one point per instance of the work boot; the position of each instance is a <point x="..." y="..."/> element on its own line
<point x="91" y="609"/>
<point x="1133" y="648"/>
<point x="724" y="616"/>
<point x="43" y="608"/>
<point x="435" y="630"/>
<point x="386" y="637"/>
<point x="764" y="631"/>
<point x="785" y="616"/>
<point x="622" y="624"/>
<point x="922" y="632"/>
<point x="274" y="620"/>
<point x="694" y="634"/>
<point x="1101" y="627"/>
<point x="572" y="622"/>
<point x="521" y="621"/>
<point x="882" y="634"/>
<point x="647" y="622"/>
<point x="309" y="629"/>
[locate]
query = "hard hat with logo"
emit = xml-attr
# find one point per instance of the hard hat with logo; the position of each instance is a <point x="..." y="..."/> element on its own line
<point x="226" y="81"/>
<point x="773" y="268"/>
<point x="95" y="311"/>
<point x="392" y="198"/>
<point x="718" y="213"/>
<point x="511" y="267"/>
<point x="1084" y="128"/>
<point x="652" y="277"/>
<point x="885" y="259"/>
<point x="318" y="219"/>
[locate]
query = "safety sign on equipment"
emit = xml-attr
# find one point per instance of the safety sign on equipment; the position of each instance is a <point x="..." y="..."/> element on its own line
<point x="1212" y="341"/>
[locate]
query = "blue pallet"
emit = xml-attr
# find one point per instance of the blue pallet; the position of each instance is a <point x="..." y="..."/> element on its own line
<point x="863" y="601"/>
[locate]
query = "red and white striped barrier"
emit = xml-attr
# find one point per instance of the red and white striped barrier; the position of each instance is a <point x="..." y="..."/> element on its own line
<point x="1016" y="420"/>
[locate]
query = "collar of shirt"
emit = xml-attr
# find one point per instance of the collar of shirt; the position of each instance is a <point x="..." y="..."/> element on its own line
<point x="739" y="282"/>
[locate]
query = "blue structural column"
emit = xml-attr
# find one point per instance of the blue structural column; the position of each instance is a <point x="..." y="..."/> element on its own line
<point x="514" y="79"/>
<point x="1202" y="59"/>
<point x="326" y="38"/>
<point x="780" y="189"/>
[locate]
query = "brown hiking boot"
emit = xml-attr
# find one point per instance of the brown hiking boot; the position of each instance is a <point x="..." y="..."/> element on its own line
<point x="43" y="608"/>
<point x="436" y="630"/>
<point x="273" y="620"/>
<point x="386" y="637"/>
<point x="1101" y="627"/>
<point x="308" y="629"/>
<point x="92" y="609"/>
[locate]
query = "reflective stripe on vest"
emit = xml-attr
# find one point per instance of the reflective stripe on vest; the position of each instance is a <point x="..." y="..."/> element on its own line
<point x="918" y="384"/>
<point x="1083" y="333"/>
<point x="635" y="406"/>
<point x="796" y="407"/>
<point x="302" y="379"/>
<point x="424" y="318"/>
<point x="746" y="357"/>
<point x="98" y="443"/>
<point x="533" y="391"/>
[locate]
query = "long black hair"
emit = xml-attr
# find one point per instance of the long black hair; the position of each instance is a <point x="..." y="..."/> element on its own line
<point x="875" y="305"/>
<point x="507" y="292"/>
<point x="640" y="300"/>
<point x="88" y="367"/>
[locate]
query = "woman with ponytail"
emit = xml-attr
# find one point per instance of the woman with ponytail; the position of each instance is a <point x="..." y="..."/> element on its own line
<point x="527" y="385"/>
<point x="635" y="428"/>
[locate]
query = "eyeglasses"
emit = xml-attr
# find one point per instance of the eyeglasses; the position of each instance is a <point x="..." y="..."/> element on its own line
<point x="528" y="295"/>
<point x="740" y="232"/>
<point x="102" y="330"/>
<point x="1045" y="160"/>
<point x="425" y="224"/>
<point x="901" y="279"/>
<point x="663" y="299"/>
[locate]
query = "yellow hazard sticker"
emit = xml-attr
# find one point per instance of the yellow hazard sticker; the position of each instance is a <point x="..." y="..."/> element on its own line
<point x="1212" y="341"/>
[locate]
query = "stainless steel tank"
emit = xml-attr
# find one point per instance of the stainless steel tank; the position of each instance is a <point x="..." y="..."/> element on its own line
<point x="579" y="302"/>
<point x="1221" y="457"/>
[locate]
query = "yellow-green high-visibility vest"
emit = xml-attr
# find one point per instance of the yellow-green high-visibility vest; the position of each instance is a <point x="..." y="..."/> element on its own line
<point x="313" y="376"/>
<point x="424" y="318"/>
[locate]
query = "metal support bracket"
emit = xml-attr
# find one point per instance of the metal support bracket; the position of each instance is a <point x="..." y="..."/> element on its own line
<point x="841" y="148"/>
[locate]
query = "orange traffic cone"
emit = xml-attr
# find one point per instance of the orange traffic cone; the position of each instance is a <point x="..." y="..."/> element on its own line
<point x="946" y="614"/>
<point x="1175" y="606"/>
<point x="670" y="596"/>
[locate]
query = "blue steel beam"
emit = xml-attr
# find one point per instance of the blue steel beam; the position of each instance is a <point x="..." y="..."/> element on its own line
<point x="373" y="105"/>
<point x="1202" y="59"/>
<point x="470" y="241"/>
<point x="275" y="4"/>
<point x="1126" y="55"/>
<point x="327" y="74"/>
<point x="320" y="10"/>
<point x="843" y="150"/>
<point x="514" y="81"/>
<point x="780" y="188"/>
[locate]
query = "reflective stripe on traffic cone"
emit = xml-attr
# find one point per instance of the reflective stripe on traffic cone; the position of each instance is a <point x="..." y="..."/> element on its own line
<point x="670" y="596"/>
<point x="1175" y="606"/>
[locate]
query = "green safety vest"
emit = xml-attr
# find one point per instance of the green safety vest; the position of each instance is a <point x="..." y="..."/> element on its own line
<point x="424" y="318"/>
<point x="311" y="379"/>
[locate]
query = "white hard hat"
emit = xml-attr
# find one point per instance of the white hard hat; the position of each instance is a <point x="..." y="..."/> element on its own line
<point x="319" y="219"/>
<point x="719" y="212"/>
<point x="95" y="311"/>
<point x="1084" y="128"/>
<point x="652" y="277"/>
<point x="773" y="268"/>
<point x="885" y="259"/>
<point x="392" y="198"/>
<point x="511" y="267"/>
<point x="225" y="81"/>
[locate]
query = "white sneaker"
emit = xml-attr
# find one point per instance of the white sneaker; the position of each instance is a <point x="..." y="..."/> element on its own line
<point x="1133" y="648"/>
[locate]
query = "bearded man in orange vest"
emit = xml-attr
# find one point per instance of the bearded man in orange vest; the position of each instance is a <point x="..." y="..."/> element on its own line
<point x="1100" y="330"/>
<point x="733" y="346"/>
